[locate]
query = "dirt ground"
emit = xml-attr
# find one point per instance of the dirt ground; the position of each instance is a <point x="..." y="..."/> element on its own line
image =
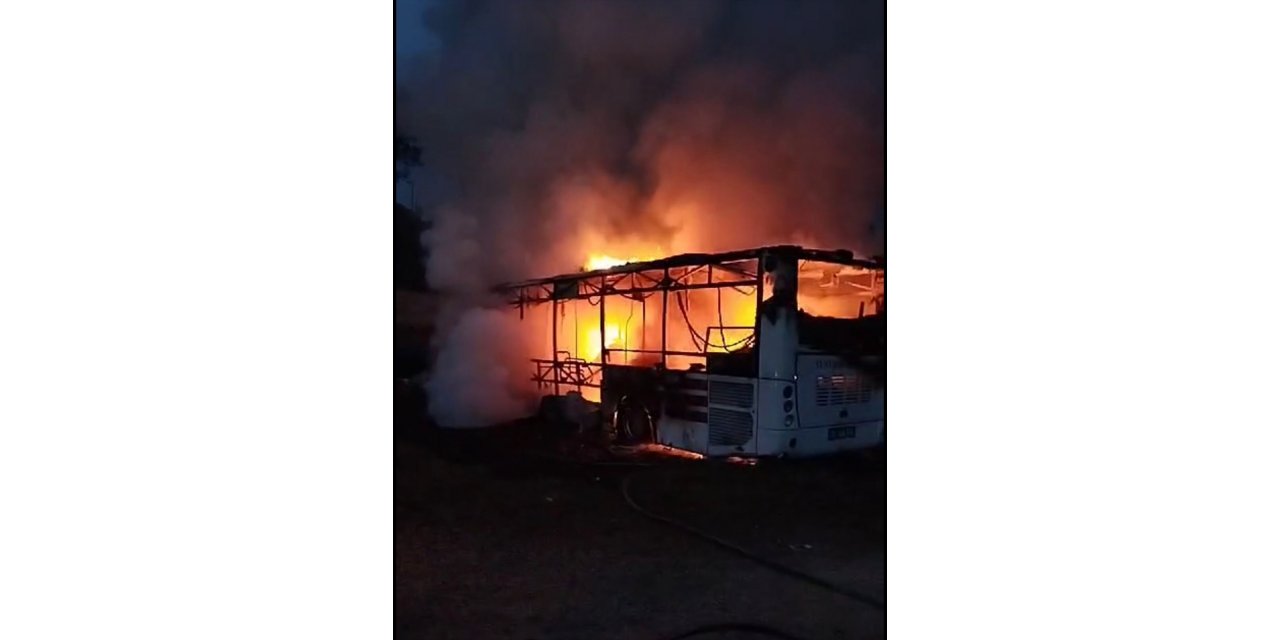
<point x="503" y="547"/>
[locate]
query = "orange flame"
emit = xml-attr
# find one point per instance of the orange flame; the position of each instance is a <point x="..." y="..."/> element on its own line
<point x="600" y="261"/>
<point x="612" y="339"/>
<point x="713" y="320"/>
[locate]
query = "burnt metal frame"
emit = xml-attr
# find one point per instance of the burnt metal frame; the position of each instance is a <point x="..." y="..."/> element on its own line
<point x="602" y="283"/>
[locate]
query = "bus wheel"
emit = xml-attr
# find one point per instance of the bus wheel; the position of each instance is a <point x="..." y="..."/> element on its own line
<point x="631" y="424"/>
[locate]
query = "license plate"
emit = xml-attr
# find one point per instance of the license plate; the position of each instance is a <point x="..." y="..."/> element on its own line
<point x="840" y="433"/>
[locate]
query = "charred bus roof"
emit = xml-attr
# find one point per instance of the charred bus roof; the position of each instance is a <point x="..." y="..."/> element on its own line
<point x="840" y="257"/>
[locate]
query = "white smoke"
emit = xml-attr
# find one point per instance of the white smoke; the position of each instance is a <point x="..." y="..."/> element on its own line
<point x="481" y="374"/>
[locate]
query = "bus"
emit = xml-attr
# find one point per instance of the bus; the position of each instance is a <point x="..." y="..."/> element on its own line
<point x="773" y="351"/>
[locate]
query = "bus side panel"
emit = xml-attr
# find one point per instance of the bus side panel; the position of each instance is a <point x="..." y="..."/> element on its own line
<point x="683" y="434"/>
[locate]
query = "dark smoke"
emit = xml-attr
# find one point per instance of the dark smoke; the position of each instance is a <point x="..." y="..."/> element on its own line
<point x="552" y="129"/>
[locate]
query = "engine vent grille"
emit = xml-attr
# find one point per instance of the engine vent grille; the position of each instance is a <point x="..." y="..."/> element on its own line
<point x="733" y="394"/>
<point x="728" y="427"/>
<point x="843" y="389"/>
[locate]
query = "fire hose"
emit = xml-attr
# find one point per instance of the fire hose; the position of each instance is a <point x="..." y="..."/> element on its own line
<point x="743" y="553"/>
<point x="636" y="468"/>
<point x="777" y="567"/>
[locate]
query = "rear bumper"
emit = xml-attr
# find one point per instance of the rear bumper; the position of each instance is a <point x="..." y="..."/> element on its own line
<point x="812" y="441"/>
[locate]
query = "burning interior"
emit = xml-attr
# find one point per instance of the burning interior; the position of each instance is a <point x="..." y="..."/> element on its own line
<point x="692" y="350"/>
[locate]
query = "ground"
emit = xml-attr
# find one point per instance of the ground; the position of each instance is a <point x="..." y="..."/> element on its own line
<point x="502" y="546"/>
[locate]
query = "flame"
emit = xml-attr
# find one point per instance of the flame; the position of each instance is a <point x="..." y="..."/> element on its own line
<point x="589" y="334"/>
<point x="612" y="339"/>
<point x="732" y="309"/>
<point x="600" y="261"/>
<point x="712" y="320"/>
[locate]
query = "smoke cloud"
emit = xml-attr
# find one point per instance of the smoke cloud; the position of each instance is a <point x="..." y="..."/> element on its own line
<point x="486" y="375"/>
<point x="554" y="130"/>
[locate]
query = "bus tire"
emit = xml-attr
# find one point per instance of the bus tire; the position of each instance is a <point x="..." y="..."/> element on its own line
<point x="632" y="424"/>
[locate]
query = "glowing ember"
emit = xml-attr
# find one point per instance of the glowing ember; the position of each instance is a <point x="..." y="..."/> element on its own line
<point x="665" y="450"/>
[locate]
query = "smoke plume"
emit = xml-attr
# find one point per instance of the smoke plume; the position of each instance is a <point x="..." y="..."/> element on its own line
<point x="554" y="130"/>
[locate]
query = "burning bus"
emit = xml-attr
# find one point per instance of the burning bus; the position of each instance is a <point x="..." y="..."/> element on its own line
<point x="771" y="351"/>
